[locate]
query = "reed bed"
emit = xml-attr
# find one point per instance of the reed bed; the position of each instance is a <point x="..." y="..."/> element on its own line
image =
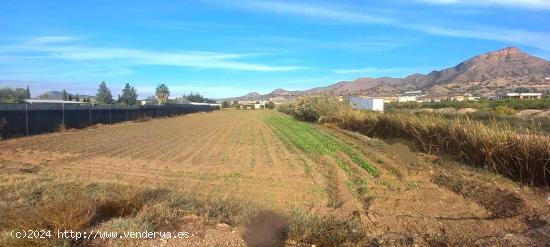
<point x="524" y="157"/>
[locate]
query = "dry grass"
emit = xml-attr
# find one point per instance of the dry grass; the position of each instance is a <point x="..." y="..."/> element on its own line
<point x="35" y="202"/>
<point x="496" y="146"/>
<point x="327" y="230"/>
<point x="524" y="157"/>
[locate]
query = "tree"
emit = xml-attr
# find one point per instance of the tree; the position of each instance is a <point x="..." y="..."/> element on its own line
<point x="9" y="95"/>
<point x="77" y="97"/>
<point x="193" y="97"/>
<point x="28" y="93"/>
<point x="225" y="104"/>
<point x="270" y="105"/>
<point x="65" y="95"/>
<point x="104" y="95"/>
<point x="129" y="95"/>
<point x="198" y="98"/>
<point x="162" y="92"/>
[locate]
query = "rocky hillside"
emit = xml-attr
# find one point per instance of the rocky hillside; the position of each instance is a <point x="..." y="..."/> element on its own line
<point x="485" y="74"/>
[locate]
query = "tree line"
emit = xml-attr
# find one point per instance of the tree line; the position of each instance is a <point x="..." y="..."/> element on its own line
<point x="14" y="95"/>
<point x="128" y="96"/>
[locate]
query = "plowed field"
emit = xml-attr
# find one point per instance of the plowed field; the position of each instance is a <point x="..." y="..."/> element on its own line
<point x="401" y="197"/>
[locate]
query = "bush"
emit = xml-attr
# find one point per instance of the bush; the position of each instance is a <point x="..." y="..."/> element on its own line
<point x="504" y="110"/>
<point x="311" y="109"/>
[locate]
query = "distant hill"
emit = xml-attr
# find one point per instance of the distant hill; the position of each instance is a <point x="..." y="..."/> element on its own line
<point x="54" y="95"/>
<point x="485" y="74"/>
<point x="58" y="95"/>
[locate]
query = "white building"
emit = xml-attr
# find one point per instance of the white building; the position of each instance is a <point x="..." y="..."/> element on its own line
<point x="410" y="96"/>
<point x="520" y="96"/>
<point x="259" y="106"/>
<point x="370" y="104"/>
<point x="406" y="98"/>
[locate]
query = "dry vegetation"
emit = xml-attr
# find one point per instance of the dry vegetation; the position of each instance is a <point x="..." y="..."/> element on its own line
<point x="495" y="146"/>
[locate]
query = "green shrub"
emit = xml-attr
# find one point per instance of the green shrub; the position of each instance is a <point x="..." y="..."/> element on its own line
<point x="505" y="110"/>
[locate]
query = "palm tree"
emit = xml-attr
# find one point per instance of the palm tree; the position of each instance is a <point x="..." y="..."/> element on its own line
<point x="162" y="92"/>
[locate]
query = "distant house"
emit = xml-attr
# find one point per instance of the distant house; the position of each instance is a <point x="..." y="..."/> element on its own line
<point x="149" y="101"/>
<point x="406" y="98"/>
<point x="410" y="96"/>
<point x="519" y="96"/>
<point x="371" y="104"/>
<point x="458" y="98"/>
<point x="259" y="105"/>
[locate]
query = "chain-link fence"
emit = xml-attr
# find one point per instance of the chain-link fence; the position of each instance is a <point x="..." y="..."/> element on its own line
<point x="31" y="119"/>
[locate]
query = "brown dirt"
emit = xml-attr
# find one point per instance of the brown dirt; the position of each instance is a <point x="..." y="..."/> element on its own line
<point x="222" y="153"/>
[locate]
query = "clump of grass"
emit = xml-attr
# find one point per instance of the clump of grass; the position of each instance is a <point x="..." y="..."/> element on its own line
<point x="412" y="185"/>
<point x="60" y="128"/>
<point x="328" y="230"/>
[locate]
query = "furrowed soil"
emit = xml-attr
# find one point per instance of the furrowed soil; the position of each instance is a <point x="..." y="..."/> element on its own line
<point x="400" y="196"/>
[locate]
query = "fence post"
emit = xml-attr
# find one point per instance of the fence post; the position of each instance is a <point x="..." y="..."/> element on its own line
<point x="110" y="115"/>
<point x="91" y="115"/>
<point x="27" y="118"/>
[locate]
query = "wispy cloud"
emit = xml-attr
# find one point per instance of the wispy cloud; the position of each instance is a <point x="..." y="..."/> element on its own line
<point x="42" y="40"/>
<point x="347" y="14"/>
<point x="378" y="44"/>
<point x="528" y="4"/>
<point x="60" y="47"/>
<point x="331" y="12"/>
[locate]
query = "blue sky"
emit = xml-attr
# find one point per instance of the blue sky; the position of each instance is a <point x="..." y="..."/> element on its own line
<point x="229" y="48"/>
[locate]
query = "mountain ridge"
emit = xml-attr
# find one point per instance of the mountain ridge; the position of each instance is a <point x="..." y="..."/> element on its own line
<point x="483" y="75"/>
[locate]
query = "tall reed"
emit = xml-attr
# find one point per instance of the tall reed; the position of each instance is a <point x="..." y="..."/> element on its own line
<point x="524" y="157"/>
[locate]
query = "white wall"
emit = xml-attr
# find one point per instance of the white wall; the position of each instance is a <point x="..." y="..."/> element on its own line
<point x="407" y="99"/>
<point x="370" y="104"/>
